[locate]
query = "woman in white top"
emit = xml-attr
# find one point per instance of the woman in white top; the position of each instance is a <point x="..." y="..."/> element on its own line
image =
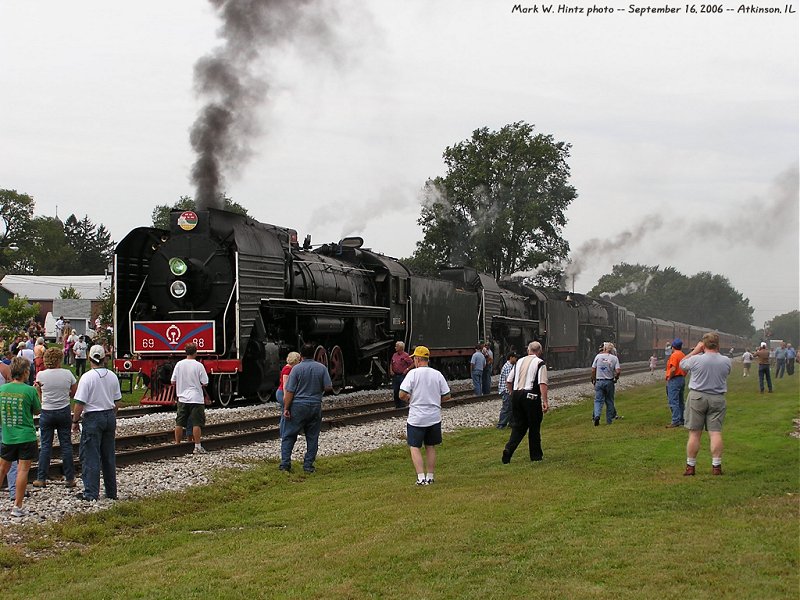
<point x="55" y="386"/>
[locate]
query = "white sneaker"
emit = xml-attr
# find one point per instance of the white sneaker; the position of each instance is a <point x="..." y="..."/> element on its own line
<point x="136" y="387"/>
<point x="200" y="450"/>
<point x="429" y="481"/>
<point x="422" y="482"/>
<point x="18" y="512"/>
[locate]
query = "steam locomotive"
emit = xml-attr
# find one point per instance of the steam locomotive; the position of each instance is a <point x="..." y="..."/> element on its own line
<point x="247" y="293"/>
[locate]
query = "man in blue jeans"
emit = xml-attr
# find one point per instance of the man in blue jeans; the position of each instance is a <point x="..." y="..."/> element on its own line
<point x="302" y="408"/>
<point x="605" y="373"/>
<point x="477" y="364"/>
<point x="96" y="403"/>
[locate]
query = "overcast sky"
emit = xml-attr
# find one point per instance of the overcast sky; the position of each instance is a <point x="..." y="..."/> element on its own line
<point x="684" y="127"/>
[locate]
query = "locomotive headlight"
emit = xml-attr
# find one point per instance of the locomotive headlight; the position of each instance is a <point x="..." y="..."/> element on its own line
<point x="178" y="267"/>
<point x="178" y="289"/>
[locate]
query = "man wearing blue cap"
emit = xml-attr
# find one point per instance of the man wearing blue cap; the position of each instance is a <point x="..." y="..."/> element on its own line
<point x="675" y="383"/>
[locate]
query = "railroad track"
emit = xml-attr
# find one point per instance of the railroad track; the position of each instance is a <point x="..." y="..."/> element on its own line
<point x="125" y="413"/>
<point x="151" y="446"/>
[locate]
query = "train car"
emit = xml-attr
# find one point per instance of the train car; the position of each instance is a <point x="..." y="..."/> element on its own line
<point x="443" y="318"/>
<point x="506" y="320"/>
<point x="663" y="334"/>
<point x="682" y="331"/>
<point x="645" y="338"/>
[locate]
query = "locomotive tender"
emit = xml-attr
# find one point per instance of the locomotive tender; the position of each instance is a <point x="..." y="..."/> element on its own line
<point x="247" y="293"/>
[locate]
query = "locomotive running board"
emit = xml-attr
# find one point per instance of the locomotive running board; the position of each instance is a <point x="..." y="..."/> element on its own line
<point x="337" y="309"/>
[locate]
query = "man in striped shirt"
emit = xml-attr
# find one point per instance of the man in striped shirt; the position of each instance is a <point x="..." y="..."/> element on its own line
<point x="505" y="395"/>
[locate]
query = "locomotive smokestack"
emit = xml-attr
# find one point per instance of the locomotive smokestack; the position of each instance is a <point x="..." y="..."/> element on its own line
<point x="230" y="81"/>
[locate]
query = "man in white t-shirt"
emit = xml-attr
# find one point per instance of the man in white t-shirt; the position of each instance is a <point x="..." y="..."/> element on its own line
<point x="190" y="379"/>
<point x="424" y="388"/>
<point x="79" y="351"/>
<point x="96" y="403"/>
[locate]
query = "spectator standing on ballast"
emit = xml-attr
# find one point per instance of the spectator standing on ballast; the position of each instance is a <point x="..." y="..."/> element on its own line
<point x="605" y="373"/>
<point x="505" y="395"/>
<point x="486" y="386"/>
<point x="12" y="472"/>
<point x="424" y="388"/>
<point x="399" y="366"/>
<point x="528" y="386"/>
<point x="762" y="356"/>
<point x="55" y="386"/>
<point x="675" y="377"/>
<point x="477" y="364"/>
<point x="96" y="402"/>
<point x="190" y="379"/>
<point x="302" y="408"/>
<point x="18" y="403"/>
<point x="708" y="383"/>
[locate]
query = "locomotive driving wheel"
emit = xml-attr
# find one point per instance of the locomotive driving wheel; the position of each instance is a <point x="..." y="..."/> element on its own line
<point x="321" y="355"/>
<point x="224" y="390"/>
<point x="336" y="369"/>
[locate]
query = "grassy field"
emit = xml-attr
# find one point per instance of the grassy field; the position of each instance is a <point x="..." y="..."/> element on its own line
<point x="608" y="514"/>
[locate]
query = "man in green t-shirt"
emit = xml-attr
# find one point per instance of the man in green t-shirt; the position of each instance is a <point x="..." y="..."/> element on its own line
<point x="18" y="403"/>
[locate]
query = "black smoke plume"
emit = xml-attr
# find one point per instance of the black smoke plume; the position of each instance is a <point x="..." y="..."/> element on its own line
<point x="232" y="81"/>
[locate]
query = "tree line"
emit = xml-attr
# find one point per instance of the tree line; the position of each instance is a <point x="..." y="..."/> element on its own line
<point x="702" y="299"/>
<point x="43" y="245"/>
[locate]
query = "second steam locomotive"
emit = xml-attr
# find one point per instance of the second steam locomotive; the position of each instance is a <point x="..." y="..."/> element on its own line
<point x="246" y="293"/>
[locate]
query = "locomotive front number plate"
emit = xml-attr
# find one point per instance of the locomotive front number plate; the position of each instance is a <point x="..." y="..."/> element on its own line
<point x="172" y="336"/>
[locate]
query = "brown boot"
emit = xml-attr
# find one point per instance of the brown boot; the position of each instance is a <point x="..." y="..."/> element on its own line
<point x="716" y="470"/>
<point x="689" y="471"/>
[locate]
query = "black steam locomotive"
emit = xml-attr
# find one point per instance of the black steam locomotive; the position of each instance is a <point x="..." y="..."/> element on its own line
<point x="246" y="293"/>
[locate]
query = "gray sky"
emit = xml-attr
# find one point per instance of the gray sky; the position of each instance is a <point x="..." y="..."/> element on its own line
<point x="683" y="127"/>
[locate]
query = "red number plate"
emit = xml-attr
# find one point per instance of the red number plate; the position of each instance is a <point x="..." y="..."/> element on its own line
<point x="172" y="336"/>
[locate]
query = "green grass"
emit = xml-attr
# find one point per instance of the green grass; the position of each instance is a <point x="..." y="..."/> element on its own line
<point x="608" y="514"/>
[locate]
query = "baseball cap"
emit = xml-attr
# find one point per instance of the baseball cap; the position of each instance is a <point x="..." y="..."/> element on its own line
<point x="421" y="352"/>
<point x="763" y="344"/>
<point x="677" y="343"/>
<point x="97" y="354"/>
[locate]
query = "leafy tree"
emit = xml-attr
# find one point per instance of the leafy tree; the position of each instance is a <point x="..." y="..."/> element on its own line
<point x="46" y="246"/>
<point x="69" y="293"/>
<point x="703" y="299"/>
<point x="161" y="212"/>
<point x="45" y="250"/>
<point x="785" y="327"/>
<point x="15" y="317"/>
<point x="500" y="206"/>
<point x="16" y="212"/>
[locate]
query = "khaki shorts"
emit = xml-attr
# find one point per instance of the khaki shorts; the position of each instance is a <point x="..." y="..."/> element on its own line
<point x="197" y="412"/>
<point x="704" y="411"/>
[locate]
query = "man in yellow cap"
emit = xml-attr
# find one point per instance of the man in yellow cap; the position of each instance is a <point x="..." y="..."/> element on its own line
<point x="424" y="388"/>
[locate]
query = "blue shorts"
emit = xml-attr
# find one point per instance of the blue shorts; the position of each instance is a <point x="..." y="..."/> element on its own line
<point x="430" y="436"/>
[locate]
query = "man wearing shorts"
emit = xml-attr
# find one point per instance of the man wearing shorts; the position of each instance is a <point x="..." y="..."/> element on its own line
<point x="18" y="403"/>
<point x="190" y="377"/>
<point x="705" y="406"/>
<point x="424" y="388"/>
